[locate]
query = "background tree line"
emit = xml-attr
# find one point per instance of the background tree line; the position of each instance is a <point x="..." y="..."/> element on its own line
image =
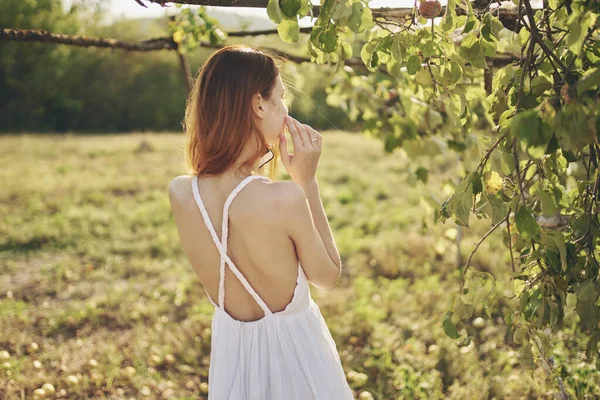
<point x="60" y="88"/>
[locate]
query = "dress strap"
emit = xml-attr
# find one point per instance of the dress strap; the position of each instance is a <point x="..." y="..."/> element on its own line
<point x="222" y="244"/>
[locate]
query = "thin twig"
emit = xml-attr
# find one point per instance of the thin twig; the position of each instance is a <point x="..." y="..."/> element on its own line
<point x="537" y="38"/>
<point x="492" y="229"/>
<point x="510" y="250"/>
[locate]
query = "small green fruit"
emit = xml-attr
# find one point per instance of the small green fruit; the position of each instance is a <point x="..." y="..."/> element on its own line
<point x="48" y="388"/>
<point x="478" y="323"/>
<point x="364" y="395"/>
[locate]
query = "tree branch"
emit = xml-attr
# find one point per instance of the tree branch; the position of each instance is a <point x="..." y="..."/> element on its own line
<point x="489" y="232"/>
<point x="508" y="17"/>
<point x="163" y="43"/>
<point x="31" y="35"/>
<point x="535" y="36"/>
<point x="307" y="29"/>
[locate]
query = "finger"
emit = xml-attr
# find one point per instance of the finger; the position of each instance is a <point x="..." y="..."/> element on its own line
<point x="296" y="139"/>
<point x="315" y="137"/>
<point x="283" y="151"/>
<point x="302" y="132"/>
<point x="312" y="135"/>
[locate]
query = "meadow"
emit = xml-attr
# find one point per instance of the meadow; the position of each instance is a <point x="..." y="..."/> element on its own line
<point x="97" y="299"/>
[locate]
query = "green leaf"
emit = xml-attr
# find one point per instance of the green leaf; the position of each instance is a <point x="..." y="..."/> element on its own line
<point x="569" y="155"/>
<point x="559" y="241"/>
<point x="341" y="12"/>
<point x="526" y="224"/>
<point x="507" y="162"/>
<point x="462" y="308"/>
<point x="526" y="356"/>
<point x="450" y="328"/>
<point x="519" y="285"/>
<point x="548" y="203"/>
<point x="290" y="8"/>
<point x="305" y="8"/>
<point x="391" y="141"/>
<point x="592" y="348"/>
<point x="489" y="47"/>
<point x="407" y="127"/>
<point x="369" y="51"/>
<point x="486" y="27"/>
<point x="328" y="40"/>
<point x="529" y="127"/>
<point x="367" y="19"/>
<point x="422" y="174"/>
<point x="503" y="77"/>
<point x="579" y="25"/>
<point x="448" y="21"/>
<point x="346" y="50"/>
<point x="586" y="290"/>
<point x="216" y="36"/>
<point x="477" y="183"/>
<point x="413" y="65"/>
<point x="429" y="49"/>
<point x="590" y="80"/>
<point x="539" y="85"/>
<point x="586" y="307"/>
<point x="453" y="71"/>
<point x="472" y="51"/>
<point x="274" y="11"/>
<point x="327" y="9"/>
<point x="496" y="207"/>
<point x="470" y="19"/>
<point x="462" y="200"/>
<point x="574" y="127"/>
<point x="383" y="50"/>
<point x="356" y="18"/>
<point x="397" y="48"/>
<point x="395" y="69"/>
<point x="523" y="36"/>
<point x="470" y="23"/>
<point x="314" y="36"/>
<point x="288" y="30"/>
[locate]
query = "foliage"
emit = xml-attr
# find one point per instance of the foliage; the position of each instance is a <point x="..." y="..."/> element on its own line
<point x="59" y="88"/>
<point x="540" y="159"/>
<point x="189" y="28"/>
<point x="52" y="87"/>
<point x="537" y="175"/>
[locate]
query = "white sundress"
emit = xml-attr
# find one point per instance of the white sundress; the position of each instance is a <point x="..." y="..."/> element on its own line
<point x="286" y="355"/>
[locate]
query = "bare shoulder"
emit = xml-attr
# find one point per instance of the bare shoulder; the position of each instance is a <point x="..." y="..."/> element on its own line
<point x="179" y="188"/>
<point x="287" y="195"/>
<point x="180" y="181"/>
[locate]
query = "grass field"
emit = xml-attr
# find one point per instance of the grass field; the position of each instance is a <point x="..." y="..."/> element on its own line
<point x="98" y="300"/>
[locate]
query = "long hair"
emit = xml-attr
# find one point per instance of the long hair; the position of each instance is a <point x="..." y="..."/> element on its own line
<point x="218" y="115"/>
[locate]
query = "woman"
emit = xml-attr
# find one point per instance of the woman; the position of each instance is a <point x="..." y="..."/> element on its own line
<point x="269" y="340"/>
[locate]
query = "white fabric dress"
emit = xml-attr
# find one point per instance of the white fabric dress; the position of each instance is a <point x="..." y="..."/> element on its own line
<point x="286" y="355"/>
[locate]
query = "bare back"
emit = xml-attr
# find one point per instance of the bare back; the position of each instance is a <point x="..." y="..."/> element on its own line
<point x="257" y="243"/>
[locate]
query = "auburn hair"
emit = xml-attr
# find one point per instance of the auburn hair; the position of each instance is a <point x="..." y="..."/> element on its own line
<point x="219" y="119"/>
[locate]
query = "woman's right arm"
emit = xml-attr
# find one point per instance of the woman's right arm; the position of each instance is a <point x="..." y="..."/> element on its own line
<point x="309" y="229"/>
<point x="311" y="189"/>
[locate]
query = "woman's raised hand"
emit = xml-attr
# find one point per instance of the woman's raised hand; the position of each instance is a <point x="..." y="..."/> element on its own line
<point x="302" y="165"/>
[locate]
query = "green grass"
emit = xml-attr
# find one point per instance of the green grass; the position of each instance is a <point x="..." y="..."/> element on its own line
<point x="91" y="270"/>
